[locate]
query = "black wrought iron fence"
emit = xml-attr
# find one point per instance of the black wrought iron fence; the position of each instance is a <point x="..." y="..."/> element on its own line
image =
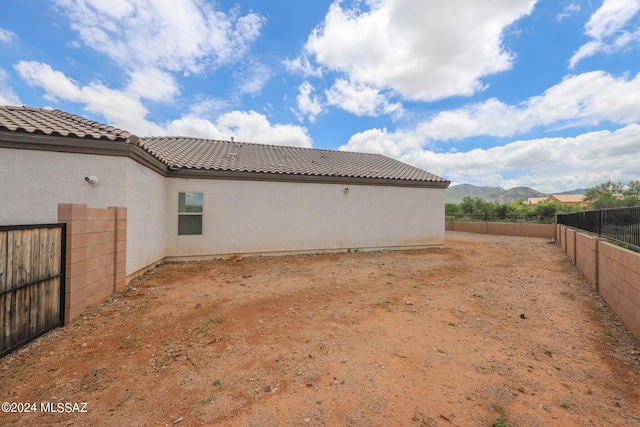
<point x="620" y="224"/>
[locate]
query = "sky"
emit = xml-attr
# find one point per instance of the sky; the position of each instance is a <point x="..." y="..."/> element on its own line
<point x="501" y="93"/>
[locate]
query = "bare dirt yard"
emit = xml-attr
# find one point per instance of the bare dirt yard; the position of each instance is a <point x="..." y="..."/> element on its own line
<point x="488" y="330"/>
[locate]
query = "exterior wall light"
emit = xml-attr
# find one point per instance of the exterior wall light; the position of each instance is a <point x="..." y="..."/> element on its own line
<point x="92" y="180"/>
<point x="346" y="190"/>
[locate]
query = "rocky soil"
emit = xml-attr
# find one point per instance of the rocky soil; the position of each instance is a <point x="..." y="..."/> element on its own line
<point x="488" y="330"/>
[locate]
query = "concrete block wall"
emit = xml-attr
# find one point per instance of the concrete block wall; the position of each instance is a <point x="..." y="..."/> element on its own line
<point x="467" y="227"/>
<point x="504" y="228"/>
<point x="619" y="283"/>
<point x="570" y="244"/>
<point x="561" y="236"/>
<point x="586" y="257"/>
<point x="95" y="255"/>
<point x="612" y="270"/>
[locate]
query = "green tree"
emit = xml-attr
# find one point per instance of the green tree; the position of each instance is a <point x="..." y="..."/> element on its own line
<point x="547" y="209"/>
<point x="476" y="207"/>
<point x="613" y="194"/>
<point x="632" y="194"/>
<point x="605" y="195"/>
<point x="502" y="210"/>
<point x="633" y="187"/>
<point x="451" y="209"/>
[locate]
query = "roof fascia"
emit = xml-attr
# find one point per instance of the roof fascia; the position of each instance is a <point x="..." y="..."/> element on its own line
<point x="65" y="144"/>
<point x="318" y="179"/>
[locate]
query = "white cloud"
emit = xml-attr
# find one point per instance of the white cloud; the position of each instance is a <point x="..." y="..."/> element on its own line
<point x="125" y="110"/>
<point x="194" y="126"/>
<point x="7" y="94"/>
<point x="360" y="100"/>
<point x="589" y="98"/>
<point x="308" y="104"/>
<point x="568" y="11"/>
<point x="189" y="36"/>
<point x="153" y="84"/>
<point x="380" y="141"/>
<point x="254" y="127"/>
<point x="252" y="77"/>
<point x="7" y="36"/>
<point x="210" y="108"/>
<point x="242" y="126"/>
<point x="607" y="29"/>
<point x="121" y="108"/>
<point x="547" y="164"/>
<point x="302" y="65"/>
<point x="424" y="50"/>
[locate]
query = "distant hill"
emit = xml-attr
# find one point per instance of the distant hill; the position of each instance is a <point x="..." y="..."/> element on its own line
<point x="577" y="191"/>
<point x="456" y="193"/>
<point x="514" y="194"/>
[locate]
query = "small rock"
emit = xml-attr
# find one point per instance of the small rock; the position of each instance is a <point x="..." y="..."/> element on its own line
<point x="178" y="420"/>
<point x="429" y="421"/>
<point x="268" y="389"/>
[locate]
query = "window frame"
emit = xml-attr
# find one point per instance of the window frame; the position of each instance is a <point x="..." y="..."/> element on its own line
<point x="184" y="212"/>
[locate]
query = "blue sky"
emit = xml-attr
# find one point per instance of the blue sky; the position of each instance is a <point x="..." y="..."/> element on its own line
<point x="507" y="93"/>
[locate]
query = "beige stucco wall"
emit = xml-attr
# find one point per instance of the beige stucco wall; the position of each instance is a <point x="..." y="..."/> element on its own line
<point x="240" y="217"/>
<point x="248" y="217"/>
<point x="33" y="182"/>
<point x="147" y="217"/>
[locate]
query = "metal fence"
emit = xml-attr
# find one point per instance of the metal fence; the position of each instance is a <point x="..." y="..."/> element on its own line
<point x="530" y="219"/>
<point x="621" y="224"/>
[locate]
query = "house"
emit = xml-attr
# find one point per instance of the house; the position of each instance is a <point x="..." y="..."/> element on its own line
<point x="568" y="199"/>
<point x="189" y="198"/>
<point x="536" y="200"/>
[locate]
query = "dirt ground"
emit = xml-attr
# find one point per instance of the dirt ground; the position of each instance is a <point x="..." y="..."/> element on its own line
<point x="489" y="330"/>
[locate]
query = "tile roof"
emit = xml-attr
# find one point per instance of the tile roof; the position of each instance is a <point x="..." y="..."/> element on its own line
<point x="195" y="153"/>
<point x="568" y="198"/>
<point x="57" y="123"/>
<point x="204" y="154"/>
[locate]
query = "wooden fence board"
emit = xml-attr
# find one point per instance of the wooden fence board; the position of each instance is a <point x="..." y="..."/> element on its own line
<point x="3" y="259"/>
<point x="31" y="284"/>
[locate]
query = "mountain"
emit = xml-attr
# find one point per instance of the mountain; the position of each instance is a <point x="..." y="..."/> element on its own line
<point x="456" y="193"/>
<point x="576" y="191"/>
<point x="514" y="194"/>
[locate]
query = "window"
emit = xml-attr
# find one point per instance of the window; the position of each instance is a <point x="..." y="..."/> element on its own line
<point x="189" y="213"/>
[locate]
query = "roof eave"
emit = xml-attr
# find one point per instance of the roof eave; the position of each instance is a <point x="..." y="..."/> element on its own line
<point x="284" y="177"/>
<point x="124" y="148"/>
<point x="67" y="144"/>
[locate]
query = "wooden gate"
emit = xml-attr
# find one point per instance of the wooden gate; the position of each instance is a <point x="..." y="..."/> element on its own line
<point x="31" y="282"/>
